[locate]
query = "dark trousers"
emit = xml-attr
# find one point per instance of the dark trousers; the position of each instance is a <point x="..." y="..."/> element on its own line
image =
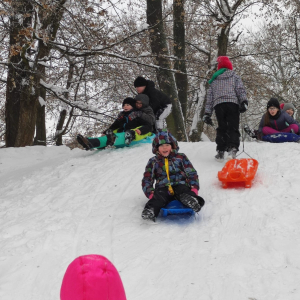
<point x="228" y="117"/>
<point x="162" y="197"/>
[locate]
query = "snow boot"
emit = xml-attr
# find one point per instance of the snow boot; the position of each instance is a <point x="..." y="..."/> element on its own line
<point x="110" y="138"/>
<point x="232" y="153"/>
<point x="220" y="156"/>
<point x="190" y="202"/>
<point x="148" y="214"/>
<point x="129" y="136"/>
<point x="84" y="142"/>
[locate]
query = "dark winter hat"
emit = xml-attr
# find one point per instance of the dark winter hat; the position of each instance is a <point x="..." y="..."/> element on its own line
<point x="129" y="101"/>
<point x="273" y="102"/>
<point x="288" y="106"/>
<point x="224" y="62"/>
<point x="140" y="81"/>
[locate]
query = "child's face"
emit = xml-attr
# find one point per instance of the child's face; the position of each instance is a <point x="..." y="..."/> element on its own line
<point x="273" y="110"/>
<point x="138" y="104"/>
<point x="165" y="149"/>
<point x="290" y="112"/>
<point x="127" y="107"/>
<point x="140" y="89"/>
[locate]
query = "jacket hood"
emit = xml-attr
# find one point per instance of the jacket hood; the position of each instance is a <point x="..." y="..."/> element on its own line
<point x="92" y="277"/>
<point x="143" y="98"/>
<point x="164" y="137"/>
<point x="150" y="83"/>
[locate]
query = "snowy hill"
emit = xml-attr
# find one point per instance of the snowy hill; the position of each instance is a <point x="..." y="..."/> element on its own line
<point x="57" y="204"/>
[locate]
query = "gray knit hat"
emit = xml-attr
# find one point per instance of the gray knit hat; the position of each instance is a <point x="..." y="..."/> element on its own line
<point x="288" y="106"/>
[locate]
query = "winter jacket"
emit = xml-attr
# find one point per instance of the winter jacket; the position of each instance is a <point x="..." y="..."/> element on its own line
<point x="181" y="170"/>
<point x="226" y="87"/>
<point x="147" y="112"/>
<point x="131" y="120"/>
<point x="92" y="277"/>
<point x="158" y="100"/>
<point x="279" y="122"/>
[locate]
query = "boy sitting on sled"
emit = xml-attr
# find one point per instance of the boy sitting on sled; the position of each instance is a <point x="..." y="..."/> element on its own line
<point x="134" y="122"/>
<point x="174" y="174"/>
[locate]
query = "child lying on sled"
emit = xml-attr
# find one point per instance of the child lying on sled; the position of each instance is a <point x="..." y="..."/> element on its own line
<point x="134" y="122"/>
<point x="174" y="174"/>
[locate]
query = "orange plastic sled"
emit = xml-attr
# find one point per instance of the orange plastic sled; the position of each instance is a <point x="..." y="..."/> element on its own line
<point x="238" y="171"/>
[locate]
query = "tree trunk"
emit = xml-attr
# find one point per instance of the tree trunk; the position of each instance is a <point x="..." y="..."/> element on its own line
<point x="179" y="53"/>
<point x="20" y="106"/>
<point x="40" y="132"/>
<point x="165" y="77"/>
<point x="51" y="24"/>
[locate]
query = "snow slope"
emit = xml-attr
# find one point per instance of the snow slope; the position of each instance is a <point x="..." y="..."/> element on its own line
<point x="57" y="204"/>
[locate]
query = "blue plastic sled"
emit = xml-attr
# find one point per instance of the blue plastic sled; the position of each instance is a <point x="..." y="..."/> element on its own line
<point x="281" y="137"/>
<point x="175" y="207"/>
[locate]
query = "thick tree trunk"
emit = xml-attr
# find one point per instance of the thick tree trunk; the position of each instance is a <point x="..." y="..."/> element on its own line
<point x="20" y="106"/>
<point x="51" y="24"/>
<point x="179" y="53"/>
<point x="165" y="77"/>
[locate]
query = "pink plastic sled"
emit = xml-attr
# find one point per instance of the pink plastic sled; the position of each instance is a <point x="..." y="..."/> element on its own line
<point x="238" y="171"/>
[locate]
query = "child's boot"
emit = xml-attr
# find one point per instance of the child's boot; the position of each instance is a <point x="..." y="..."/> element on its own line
<point x="190" y="201"/>
<point x="84" y="142"/>
<point x="148" y="214"/>
<point x="129" y="136"/>
<point x="110" y="138"/>
<point x="220" y="156"/>
<point x="232" y="153"/>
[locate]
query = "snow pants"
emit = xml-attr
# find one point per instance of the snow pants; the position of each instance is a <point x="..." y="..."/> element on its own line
<point x="100" y="142"/>
<point x="269" y="130"/>
<point x="162" y="197"/>
<point x="159" y="124"/>
<point x="228" y="134"/>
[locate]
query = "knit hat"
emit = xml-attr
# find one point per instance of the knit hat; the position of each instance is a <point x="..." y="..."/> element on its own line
<point x="164" y="136"/>
<point x="129" y="101"/>
<point x="288" y="106"/>
<point x="140" y="81"/>
<point x="273" y="102"/>
<point x="143" y="98"/>
<point x="92" y="277"/>
<point x="224" y="62"/>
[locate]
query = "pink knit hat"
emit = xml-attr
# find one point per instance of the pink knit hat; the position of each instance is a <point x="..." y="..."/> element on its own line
<point x="224" y="62"/>
<point x="92" y="277"/>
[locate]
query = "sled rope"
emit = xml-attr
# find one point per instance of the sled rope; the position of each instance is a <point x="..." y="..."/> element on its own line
<point x="243" y="139"/>
<point x="171" y="191"/>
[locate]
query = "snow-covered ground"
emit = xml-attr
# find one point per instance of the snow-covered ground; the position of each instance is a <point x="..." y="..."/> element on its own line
<point x="57" y="204"/>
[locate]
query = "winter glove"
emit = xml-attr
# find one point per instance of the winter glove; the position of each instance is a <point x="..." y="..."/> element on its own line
<point x="158" y="113"/>
<point x="134" y="114"/>
<point x="207" y="119"/>
<point x="243" y="106"/>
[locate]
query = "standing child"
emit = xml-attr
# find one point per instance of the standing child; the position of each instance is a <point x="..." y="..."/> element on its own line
<point x="132" y="123"/>
<point x="174" y="175"/>
<point x="227" y="96"/>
